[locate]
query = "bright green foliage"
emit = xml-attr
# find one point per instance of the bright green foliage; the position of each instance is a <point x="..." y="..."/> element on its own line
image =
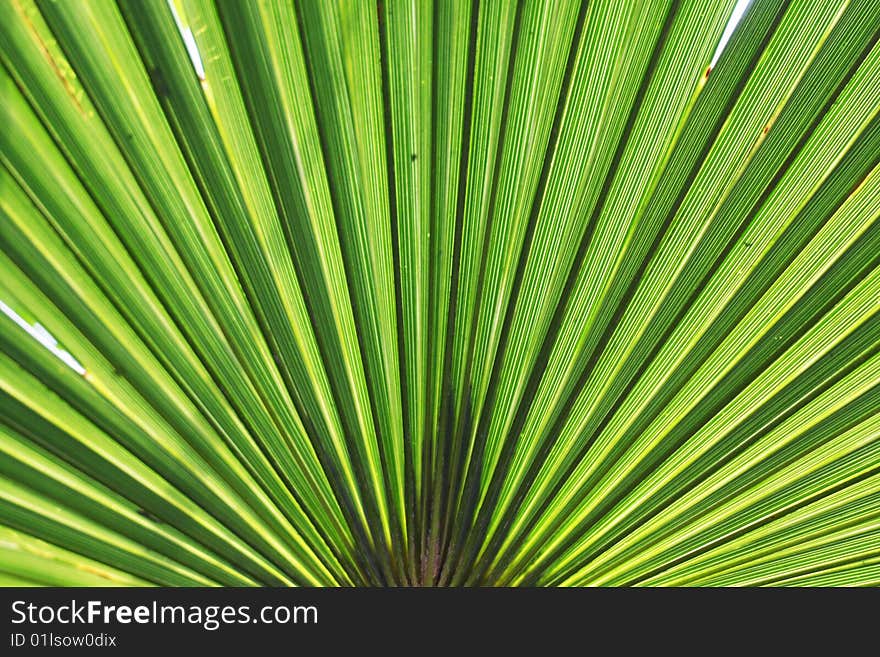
<point x="463" y="292"/>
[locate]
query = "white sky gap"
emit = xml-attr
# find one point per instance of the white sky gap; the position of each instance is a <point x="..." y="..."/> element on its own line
<point x="735" y="18"/>
<point x="190" y="42"/>
<point x="39" y="333"/>
<point x="196" y="57"/>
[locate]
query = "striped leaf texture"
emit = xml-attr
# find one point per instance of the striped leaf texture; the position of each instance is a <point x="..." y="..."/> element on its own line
<point x="465" y="292"/>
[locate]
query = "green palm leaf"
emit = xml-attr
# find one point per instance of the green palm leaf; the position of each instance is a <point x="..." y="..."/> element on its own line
<point x="440" y="293"/>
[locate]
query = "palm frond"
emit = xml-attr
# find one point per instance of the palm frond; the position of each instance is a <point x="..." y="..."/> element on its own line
<point x="440" y="293"/>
